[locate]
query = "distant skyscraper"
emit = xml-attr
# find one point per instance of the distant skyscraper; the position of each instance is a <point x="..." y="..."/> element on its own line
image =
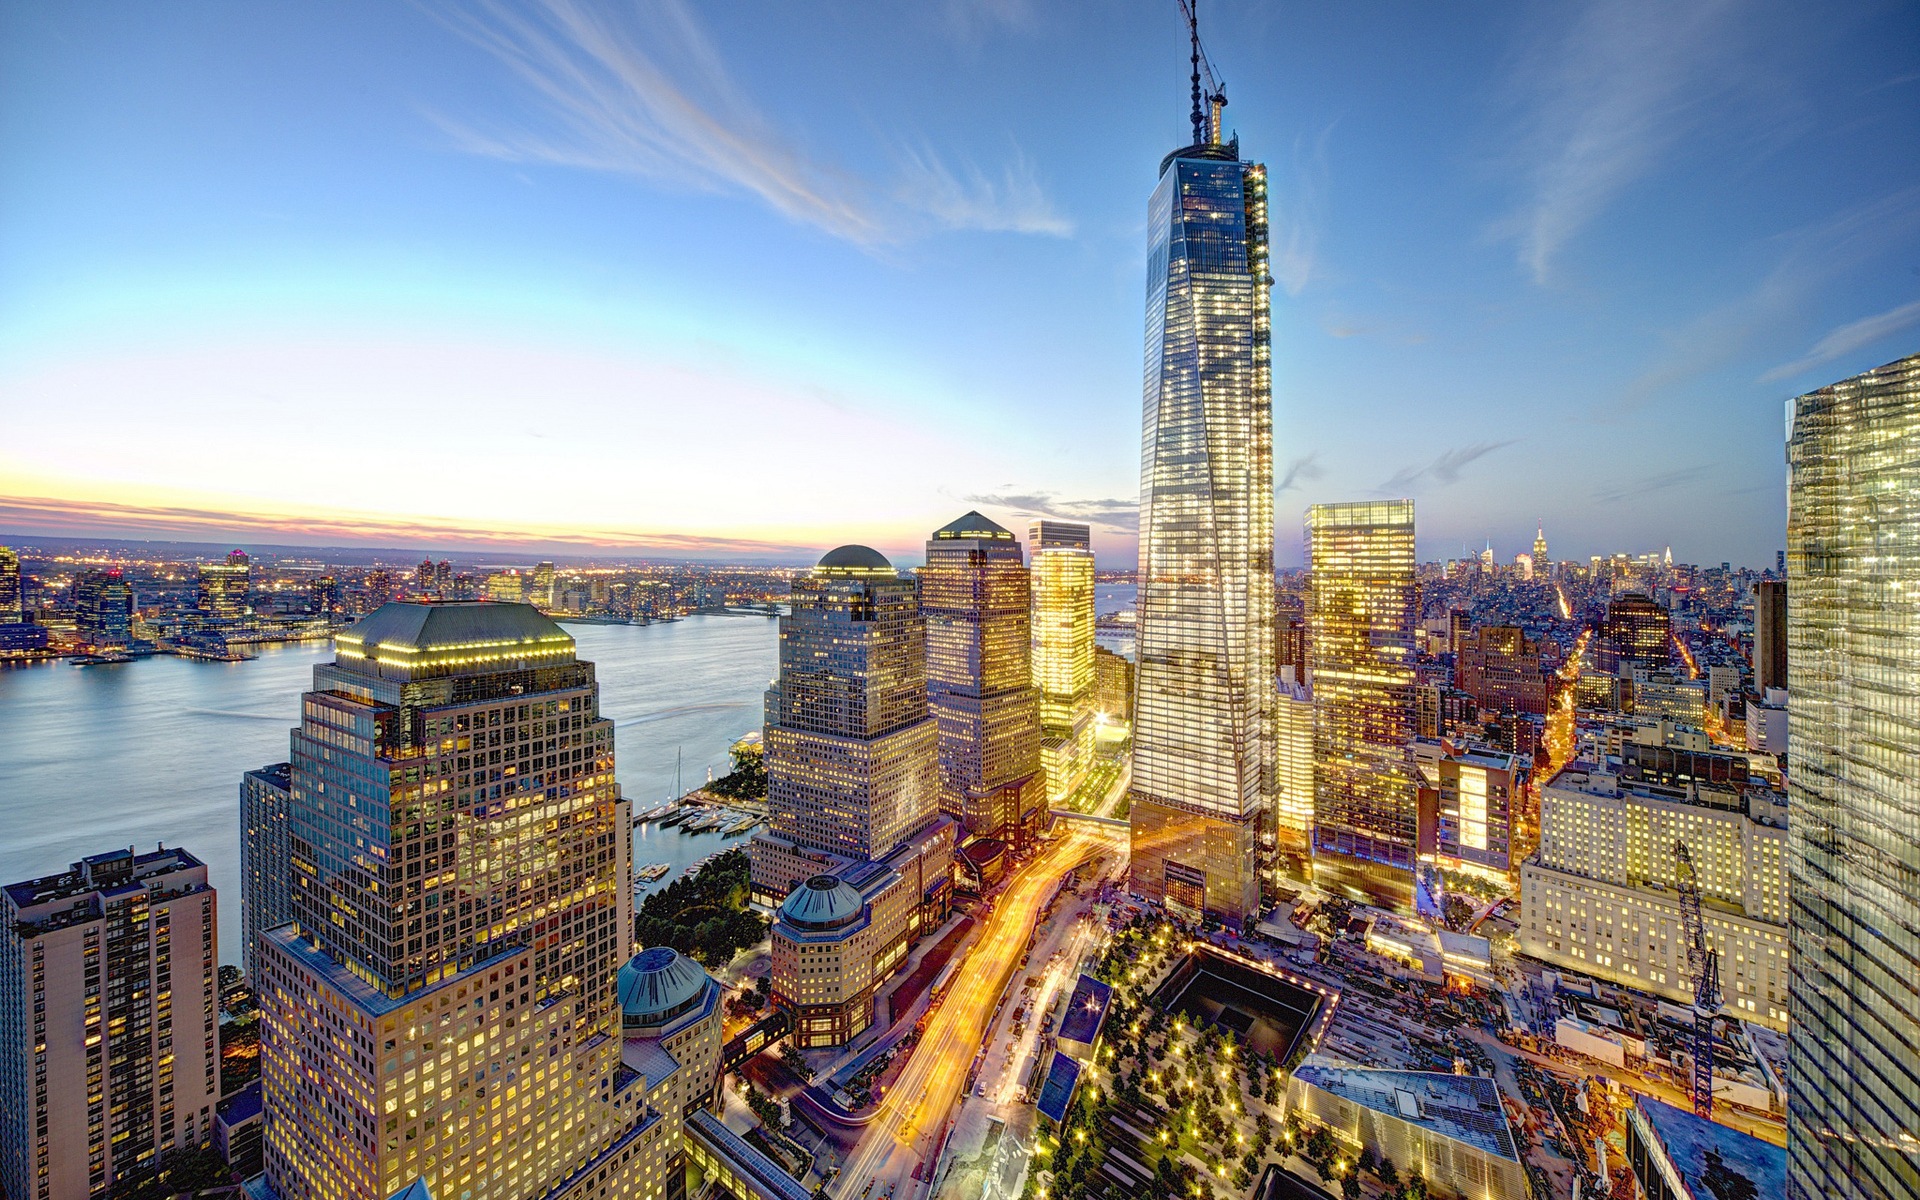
<point x="443" y="1004"/>
<point x="12" y="601"/>
<point x="1769" y="635"/>
<point x="1361" y="609"/>
<point x="974" y="598"/>
<point x="852" y="754"/>
<point x="379" y="588"/>
<point x="109" y="1017"/>
<point x="443" y="580"/>
<point x="423" y="578"/>
<point x="1203" y="757"/>
<point x="1542" y="562"/>
<point x="103" y="609"/>
<point x="225" y="586"/>
<point x="1062" y="650"/>
<point x="1853" y="636"/>
<point x="506" y="587"/>
<point x="1639" y="631"/>
<point x="543" y="578"/>
<point x="265" y="875"/>
<point x="324" y="596"/>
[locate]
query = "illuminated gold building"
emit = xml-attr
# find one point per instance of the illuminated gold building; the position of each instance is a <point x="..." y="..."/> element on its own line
<point x="1361" y="608"/>
<point x="442" y="1006"/>
<point x="1203" y="749"/>
<point x="225" y="586"/>
<point x="1293" y="769"/>
<point x="974" y="598"/>
<point x="1062" y="650"/>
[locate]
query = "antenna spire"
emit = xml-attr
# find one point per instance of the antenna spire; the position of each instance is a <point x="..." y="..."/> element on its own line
<point x="1193" y="32"/>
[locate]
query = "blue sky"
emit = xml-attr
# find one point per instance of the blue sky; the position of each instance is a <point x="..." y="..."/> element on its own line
<point x="730" y="278"/>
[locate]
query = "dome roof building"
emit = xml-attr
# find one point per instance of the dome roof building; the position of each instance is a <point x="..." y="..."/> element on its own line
<point x="659" y="984"/>
<point x="854" y="560"/>
<point x="822" y="903"/>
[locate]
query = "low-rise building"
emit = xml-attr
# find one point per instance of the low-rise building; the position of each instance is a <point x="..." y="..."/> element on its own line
<point x="1675" y="1155"/>
<point x="1767" y="723"/>
<point x="1599" y="894"/>
<point x="1450" y="1129"/>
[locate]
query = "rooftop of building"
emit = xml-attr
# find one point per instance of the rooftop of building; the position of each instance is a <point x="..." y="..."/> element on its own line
<point x="658" y="984"/>
<point x="764" y="1177"/>
<point x="409" y="639"/>
<point x="1462" y="1108"/>
<point x="1063" y="1075"/>
<point x="973" y="525"/>
<point x="822" y="903"/>
<point x="1086" y="1011"/>
<point x="242" y="1106"/>
<point x="853" y="560"/>
<point x="108" y="874"/>
<point x="1688" y="1142"/>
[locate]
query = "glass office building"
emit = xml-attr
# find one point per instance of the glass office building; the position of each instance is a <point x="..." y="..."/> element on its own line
<point x="1361" y="608"/>
<point x="1062" y="650"/>
<point x="1203" y="719"/>
<point x="1853" y="637"/>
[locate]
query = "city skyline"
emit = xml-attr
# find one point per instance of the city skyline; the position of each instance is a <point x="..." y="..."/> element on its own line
<point x="1450" y="231"/>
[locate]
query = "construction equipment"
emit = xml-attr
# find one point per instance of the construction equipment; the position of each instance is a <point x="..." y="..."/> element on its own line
<point x="1206" y="126"/>
<point x="1703" y="973"/>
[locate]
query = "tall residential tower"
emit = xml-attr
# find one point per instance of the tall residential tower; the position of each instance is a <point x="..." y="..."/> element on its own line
<point x="1853" y="638"/>
<point x="1203" y="753"/>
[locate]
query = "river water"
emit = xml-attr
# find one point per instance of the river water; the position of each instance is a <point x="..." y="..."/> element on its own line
<point x="94" y="758"/>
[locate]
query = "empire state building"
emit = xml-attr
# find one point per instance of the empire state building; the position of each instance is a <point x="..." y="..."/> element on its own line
<point x="1203" y="754"/>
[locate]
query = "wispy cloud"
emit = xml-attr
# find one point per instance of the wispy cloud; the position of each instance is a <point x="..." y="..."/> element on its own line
<point x="638" y="90"/>
<point x="972" y="199"/>
<point x="1444" y="471"/>
<point x="1847" y="338"/>
<point x="1297" y="213"/>
<point x="1301" y="471"/>
<point x="1114" y="514"/>
<point x="1616" y="490"/>
<point x="1607" y="99"/>
<point x="974" y="19"/>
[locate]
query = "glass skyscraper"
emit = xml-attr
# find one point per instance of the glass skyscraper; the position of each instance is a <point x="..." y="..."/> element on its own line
<point x="1062" y="650"/>
<point x="1853" y="637"/>
<point x="973" y="596"/>
<point x="1360" y="616"/>
<point x="1203" y="734"/>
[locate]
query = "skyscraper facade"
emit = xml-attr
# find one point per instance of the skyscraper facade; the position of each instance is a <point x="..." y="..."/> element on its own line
<point x="852" y="754"/>
<point x="226" y="585"/>
<point x="1293" y="769"/>
<point x="1062" y="650"/>
<point x="266" y="899"/>
<point x="1769" y="635"/>
<point x="974" y="599"/>
<point x="1542" y="561"/>
<point x="12" y="601"/>
<point x="442" y="1006"/>
<point x="1639" y="631"/>
<point x="1853" y="564"/>
<point x="109" y="1018"/>
<point x="1203" y="717"/>
<point x="1361" y="610"/>
<point x="103" y="608"/>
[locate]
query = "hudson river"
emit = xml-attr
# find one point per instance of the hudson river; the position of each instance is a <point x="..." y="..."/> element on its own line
<point x="93" y="758"/>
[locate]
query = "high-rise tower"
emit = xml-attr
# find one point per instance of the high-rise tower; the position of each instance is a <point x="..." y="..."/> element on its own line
<point x="1360" y="617"/>
<point x="1063" y="642"/>
<point x="103" y="608"/>
<point x="12" y="600"/>
<point x="442" y="1004"/>
<point x="1541" y="561"/>
<point x="1853" y="840"/>
<point x="225" y="586"/>
<point x="973" y="595"/>
<point x="1203" y="720"/>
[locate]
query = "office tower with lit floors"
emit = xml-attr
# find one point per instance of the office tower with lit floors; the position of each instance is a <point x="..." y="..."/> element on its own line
<point x="974" y="599"/>
<point x="1769" y="635"/>
<point x="12" y="607"/>
<point x="103" y="609"/>
<point x="1061" y="573"/>
<point x="109" y="1020"/>
<point x="1853" y="640"/>
<point x="1203" y="755"/>
<point x="225" y="586"/>
<point x="266" y="901"/>
<point x="1361" y="609"/>
<point x="442" y="1005"/>
<point x="856" y="853"/>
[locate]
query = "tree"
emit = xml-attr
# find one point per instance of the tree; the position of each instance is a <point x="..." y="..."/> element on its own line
<point x="1350" y="1185"/>
<point x="1389" y="1174"/>
<point x="1366" y="1161"/>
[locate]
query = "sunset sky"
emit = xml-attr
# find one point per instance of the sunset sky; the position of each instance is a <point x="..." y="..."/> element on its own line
<point x="751" y="279"/>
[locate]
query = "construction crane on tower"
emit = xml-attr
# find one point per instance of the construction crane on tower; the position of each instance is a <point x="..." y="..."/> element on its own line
<point x="1206" y="125"/>
<point x="1703" y="973"/>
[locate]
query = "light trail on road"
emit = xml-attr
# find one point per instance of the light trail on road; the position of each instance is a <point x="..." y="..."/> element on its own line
<point x="916" y="1107"/>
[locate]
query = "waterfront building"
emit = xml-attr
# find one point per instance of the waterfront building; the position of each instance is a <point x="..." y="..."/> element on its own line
<point x="265" y="876"/>
<point x="506" y="587"/>
<point x="974" y="598"/>
<point x="1062" y="651"/>
<point x="226" y="586"/>
<point x="109" y="1022"/>
<point x="1501" y="668"/>
<point x="12" y="598"/>
<point x="1451" y="1130"/>
<point x="443" y="1006"/>
<point x="1203" y="725"/>
<point x="1599" y="895"/>
<point x="852" y="754"/>
<point x="1293" y="769"/>
<point x="1361" y="612"/>
<point x="543" y="581"/>
<point x="1769" y="635"/>
<point x="1639" y="632"/>
<point x="103" y="609"/>
<point x="1853" y="645"/>
<point x="323" y="596"/>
